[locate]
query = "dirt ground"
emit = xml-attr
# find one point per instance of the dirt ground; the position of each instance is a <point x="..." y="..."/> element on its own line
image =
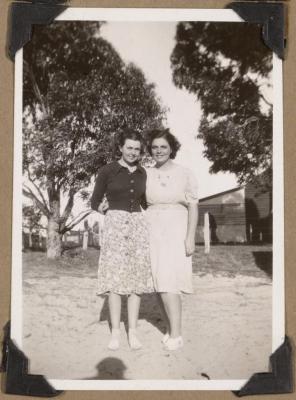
<point x="227" y="322"/>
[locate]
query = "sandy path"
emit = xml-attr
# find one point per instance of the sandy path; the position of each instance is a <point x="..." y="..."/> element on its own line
<point x="226" y="323"/>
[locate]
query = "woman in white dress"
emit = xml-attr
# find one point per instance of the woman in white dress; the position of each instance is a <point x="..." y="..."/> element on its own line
<point x="172" y="214"/>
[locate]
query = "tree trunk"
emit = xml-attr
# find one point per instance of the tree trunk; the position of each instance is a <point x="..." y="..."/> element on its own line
<point x="54" y="239"/>
<point x="30" y="240"/>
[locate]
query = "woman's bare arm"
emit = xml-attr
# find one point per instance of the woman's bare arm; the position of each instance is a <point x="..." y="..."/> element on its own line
<point x="191" y="229"/>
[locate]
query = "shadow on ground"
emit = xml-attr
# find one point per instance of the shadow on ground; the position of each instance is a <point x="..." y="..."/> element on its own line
<point x="149" y="310"/>
<point x="110" y="368"/>
<point x="263" y="261"/>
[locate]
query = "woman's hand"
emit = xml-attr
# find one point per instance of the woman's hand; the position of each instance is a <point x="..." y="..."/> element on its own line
<point x="189" y="246"/>
<point x="103" y="207"/>
<point x="191" y="229"/>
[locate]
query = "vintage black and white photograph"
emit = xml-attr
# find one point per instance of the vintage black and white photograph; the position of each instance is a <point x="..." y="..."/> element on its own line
<point x="147" y="236"/>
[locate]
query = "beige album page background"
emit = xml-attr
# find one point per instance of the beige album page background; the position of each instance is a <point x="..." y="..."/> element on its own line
<point x="6" y="162"/>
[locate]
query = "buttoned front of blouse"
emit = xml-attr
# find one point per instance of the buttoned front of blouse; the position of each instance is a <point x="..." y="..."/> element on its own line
<point x="124" y="190"/>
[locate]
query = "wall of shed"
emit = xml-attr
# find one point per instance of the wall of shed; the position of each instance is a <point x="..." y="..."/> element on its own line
<point x="242" y="215"/>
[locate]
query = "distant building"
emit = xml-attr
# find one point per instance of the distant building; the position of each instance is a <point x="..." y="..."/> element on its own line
<point x="242" y="214"/>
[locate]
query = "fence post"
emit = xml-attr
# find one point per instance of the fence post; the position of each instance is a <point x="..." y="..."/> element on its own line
<point x="251" y="232"/>
<point x="30" y="240"/>
<point x="85" y="240"/>
<point x="207" y="233"/>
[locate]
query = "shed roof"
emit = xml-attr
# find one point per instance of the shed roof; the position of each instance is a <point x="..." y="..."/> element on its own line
<point x="221" y="193"/>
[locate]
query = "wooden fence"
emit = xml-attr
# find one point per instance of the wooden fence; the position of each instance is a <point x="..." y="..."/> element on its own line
<point x="37" y="242"/>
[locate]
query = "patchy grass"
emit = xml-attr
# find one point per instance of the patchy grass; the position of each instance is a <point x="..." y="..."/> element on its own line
<point x="74" y="262"/>
<point x="223" y="260"/>
<point x="234" y="260"/>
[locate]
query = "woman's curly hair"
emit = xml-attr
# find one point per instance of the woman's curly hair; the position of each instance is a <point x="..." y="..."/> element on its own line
<point x="122" y="136"/>
<point x="168" y="136"/>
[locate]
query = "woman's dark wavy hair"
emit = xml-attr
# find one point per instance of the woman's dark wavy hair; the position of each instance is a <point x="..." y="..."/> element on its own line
<point x="122" y="136"/>
<point x="168" y="136"/>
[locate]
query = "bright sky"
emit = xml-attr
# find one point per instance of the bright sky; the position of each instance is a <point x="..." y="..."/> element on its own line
<point x="149" y="45"/>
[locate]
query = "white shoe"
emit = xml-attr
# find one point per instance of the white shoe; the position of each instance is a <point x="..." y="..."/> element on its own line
<point x="174" y="343"/>
<point x="114" y="341"/>
<point x="165" y="338"/>
<point x="133" y="340"/>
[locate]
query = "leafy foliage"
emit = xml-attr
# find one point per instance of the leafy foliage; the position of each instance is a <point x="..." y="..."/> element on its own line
<point x="32" y="218"/>
<point x="78" y="93"/>
<point x="224" y="64"/>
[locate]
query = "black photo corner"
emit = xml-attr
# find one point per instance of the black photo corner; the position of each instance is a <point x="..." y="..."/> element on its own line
<point x="279" y="380"/>
<point x="268" y="14"/>
<point x="22" y="16"/>
<point x="15" y="367"/>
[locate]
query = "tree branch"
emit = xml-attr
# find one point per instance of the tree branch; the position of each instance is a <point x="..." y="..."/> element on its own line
<point x="36" y="88"/>
<point x="28" y="193"/>
<point x="69" y="206"/>
<point x="260" y="94"/>
<point x="264" y="99"/>
<point x="39" y="191"/>
<point x="62" y="182"/>
<point x="74" y="223"/>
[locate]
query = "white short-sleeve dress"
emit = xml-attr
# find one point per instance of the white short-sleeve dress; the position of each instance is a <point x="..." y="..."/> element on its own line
<point x="168" y="194"/>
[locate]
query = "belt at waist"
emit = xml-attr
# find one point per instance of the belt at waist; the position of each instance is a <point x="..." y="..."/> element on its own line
<point x="169" y="206"/>
<point x="130" y="209"/>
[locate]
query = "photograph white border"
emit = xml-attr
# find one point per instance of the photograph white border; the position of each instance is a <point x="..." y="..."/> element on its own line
<point x="278" y="310"/>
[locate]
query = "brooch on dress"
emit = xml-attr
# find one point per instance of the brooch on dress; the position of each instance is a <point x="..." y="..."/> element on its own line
<point x="162" y="181"/>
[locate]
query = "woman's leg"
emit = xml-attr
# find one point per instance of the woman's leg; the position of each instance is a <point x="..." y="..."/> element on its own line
<point x="133" y="307"/>
<point x="173" y="307"/>
<point x="115" y="312"/>
<point x="164" y="313"/>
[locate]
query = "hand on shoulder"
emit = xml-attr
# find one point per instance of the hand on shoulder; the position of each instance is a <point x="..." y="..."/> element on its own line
<point x="103" y="206"/>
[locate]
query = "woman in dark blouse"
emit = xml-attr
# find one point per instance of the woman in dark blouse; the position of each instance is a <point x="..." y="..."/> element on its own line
<point x="124" y="263"/>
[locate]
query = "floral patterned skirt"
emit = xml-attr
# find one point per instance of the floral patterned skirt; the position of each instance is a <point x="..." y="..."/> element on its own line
<point x="124" y="263"/>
